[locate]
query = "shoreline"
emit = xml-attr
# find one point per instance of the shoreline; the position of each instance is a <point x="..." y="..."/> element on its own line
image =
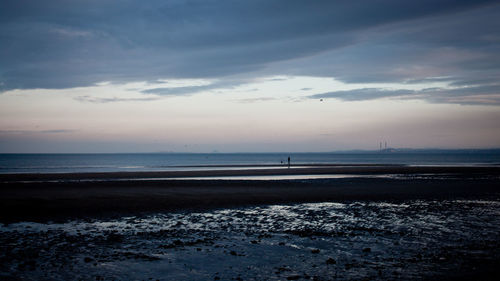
<point x="42" y="200"/>
<point x="313" y="169"/>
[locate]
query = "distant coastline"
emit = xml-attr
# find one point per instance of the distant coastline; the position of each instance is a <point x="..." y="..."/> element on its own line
<point x="348" y="151"/>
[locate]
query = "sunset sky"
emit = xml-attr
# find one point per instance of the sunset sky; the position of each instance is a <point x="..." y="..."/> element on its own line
<point x="248" y="76"/>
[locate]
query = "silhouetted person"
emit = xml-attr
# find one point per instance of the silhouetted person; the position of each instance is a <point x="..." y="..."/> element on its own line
<point x="288" y="162"/>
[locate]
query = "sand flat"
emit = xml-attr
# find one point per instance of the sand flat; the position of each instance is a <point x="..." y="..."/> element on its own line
<point x="62" y="196"/>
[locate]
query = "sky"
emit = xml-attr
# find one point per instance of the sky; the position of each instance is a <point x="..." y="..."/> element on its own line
<point x="248" y="76"/>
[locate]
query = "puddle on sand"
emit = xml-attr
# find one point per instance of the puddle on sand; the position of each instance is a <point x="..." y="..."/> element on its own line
<point x="356" y="240"/>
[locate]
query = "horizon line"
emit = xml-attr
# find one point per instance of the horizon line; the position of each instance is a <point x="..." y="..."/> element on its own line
<point x="392" y="150"/>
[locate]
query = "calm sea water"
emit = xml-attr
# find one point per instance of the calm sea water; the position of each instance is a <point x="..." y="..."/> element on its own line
<point x="65" y="163"/>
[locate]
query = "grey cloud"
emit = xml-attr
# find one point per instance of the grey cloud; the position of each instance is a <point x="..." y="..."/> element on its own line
<point x="476" y="95"/>
<point x="277" y="79"/>
<point x="479" y="95"/>
<point x="453" y="48"/>
<point x="114" y="99"/>
<point x="475" y="81"/>
<point x="466" y="91"/>
<point x="60" y="131"/>
<point x="188" y="90"/>
<point x="362" y="94"/>
<point x="57" y="131"/>
<point x="175" y="91"/>
<point x="430" y="80"/>
<point x="254" y="100"/>
<point x="59" y="44"/>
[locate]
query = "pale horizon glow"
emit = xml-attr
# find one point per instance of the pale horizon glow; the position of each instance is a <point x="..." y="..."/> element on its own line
<point x="236" y="119"/>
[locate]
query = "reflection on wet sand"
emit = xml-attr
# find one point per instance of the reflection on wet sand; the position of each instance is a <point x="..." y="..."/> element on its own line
<point x="345" y="240"/>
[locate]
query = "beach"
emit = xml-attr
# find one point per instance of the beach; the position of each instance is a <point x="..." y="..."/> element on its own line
<point x="382" y="222"/>
<point x="42" y="197"/>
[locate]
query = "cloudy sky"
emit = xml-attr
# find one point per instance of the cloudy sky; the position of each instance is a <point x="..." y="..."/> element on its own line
<point x="199" y="76"/>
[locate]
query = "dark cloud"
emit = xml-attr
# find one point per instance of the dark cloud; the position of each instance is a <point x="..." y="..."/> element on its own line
<point x="61" y="44"/>
<point x="460" y="48"/>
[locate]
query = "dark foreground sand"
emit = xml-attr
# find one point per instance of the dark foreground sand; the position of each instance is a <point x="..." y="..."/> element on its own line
<point x="42" y="197"/>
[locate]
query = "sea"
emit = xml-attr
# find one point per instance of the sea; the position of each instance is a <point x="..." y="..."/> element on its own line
<point x="133" y="162"/>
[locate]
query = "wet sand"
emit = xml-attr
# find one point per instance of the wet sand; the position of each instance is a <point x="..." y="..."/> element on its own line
<point x="418" y="223"/>
<point x="411" y="240"/>
<point x="43" y="197"/>
<point x="259" y="170"/>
